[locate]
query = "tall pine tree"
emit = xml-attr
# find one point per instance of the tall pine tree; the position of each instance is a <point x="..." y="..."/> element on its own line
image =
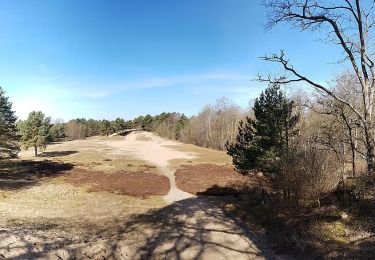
<point x="262" y="141"/>
<point x="9" y="146"/>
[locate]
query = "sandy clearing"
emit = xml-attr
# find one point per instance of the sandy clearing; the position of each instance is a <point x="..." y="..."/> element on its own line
<point x="158" y="151"/>
<point x="149" y="147"/>
<point x="55" y="220"/>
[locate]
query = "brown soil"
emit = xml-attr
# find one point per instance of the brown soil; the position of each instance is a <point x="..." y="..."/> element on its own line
<point x="138" y="183"/>
<point x="210" y="179"/>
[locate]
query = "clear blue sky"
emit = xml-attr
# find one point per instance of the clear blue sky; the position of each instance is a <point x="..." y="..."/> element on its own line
<point x="103" y="59"/>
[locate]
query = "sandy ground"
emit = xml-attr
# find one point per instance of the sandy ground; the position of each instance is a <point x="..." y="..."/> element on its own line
<point x="158" y="151"/>
<point x="54" y="220"/>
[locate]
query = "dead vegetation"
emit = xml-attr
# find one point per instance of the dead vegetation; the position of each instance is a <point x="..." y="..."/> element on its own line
<point x="306" y="232"/>
<point x="210" y="179"/>
<point x="137" y="183"/>
<point x="218" y="180"/>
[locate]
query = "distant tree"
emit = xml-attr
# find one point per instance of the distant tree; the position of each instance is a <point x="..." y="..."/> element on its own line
<point x="128" y="124"/>
<point x="75" y="129"/>
<point x="9" y="147"/>
<point x="92" y="127"/>
<point x="105" y="127"/>
<point x="35" y="131"/>
<point x="180" y="125"/>
<point x="262" y="141"/>
<point x="57" y="132"/>
<point x="214" y="125"/>
<point x="165" y="124"/>
<point x="137" y="122"/>
<point x="147" y="123"/>
<point x="118" y="124"/>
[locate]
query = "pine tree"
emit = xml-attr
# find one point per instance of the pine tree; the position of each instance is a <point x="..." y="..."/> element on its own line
<point x="35" y="131"/>
<point x="244" y="152"/>
<point x="180" y="125"/>
<point x="118" y="124"/>
<point x="9" y="146"/>
<point x="105" y="127"/>
<point x="57" y="132"/>
<point x="147" y="123"/>
<point x="262" y="141"/>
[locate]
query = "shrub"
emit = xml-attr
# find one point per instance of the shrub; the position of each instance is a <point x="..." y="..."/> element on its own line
<point x="308" y="174"/>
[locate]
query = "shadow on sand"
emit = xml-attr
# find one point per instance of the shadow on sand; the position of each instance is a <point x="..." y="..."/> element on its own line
<point x="16" y="174"/>
<point x="57" y="153"/>
<point x="194" y="228"/>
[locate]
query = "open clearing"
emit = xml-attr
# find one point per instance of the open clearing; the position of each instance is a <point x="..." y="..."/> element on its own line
<point x="117" y="198"/>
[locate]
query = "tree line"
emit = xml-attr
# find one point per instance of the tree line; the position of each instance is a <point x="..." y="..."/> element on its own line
<point x="212" y="127"/>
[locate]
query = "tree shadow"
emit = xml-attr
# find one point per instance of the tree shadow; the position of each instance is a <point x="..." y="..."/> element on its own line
<point x="293" y="230"/>
<point x="193" y="228"/>
<point x="18" y="174"/>
<point x="221" y="191"/>
<point x="57" y="153"/>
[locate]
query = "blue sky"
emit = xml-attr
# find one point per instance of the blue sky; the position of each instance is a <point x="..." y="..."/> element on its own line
<point x="104" y="59"/>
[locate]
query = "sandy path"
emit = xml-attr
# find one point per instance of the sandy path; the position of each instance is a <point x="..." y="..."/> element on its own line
<point x="149" y="147"/>
<point x="190" y="227"/>
<point x="54" y="220"/>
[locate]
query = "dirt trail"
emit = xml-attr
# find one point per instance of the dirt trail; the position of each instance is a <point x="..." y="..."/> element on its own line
<point x="190" y="227"/>
<point x="149" y="147"/>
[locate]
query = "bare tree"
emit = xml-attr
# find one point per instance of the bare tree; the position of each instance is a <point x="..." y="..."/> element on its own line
<point x="339" y="126"/>
<point x="308" y="174"/>
<point x="348" y="24"/>
<point x="214" y="125"/>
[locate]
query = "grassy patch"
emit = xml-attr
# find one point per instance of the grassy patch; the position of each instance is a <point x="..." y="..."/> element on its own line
<point x="202" y="156"/>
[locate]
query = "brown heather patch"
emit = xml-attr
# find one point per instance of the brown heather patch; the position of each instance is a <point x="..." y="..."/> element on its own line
<point x="137" y="183"/>
<point x="211" y="179"/>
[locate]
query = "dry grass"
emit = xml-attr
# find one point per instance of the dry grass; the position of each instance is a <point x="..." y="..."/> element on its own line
<point x="58" y="200"/>
<point x="143" y="138"/>
<point x="39" y="184"/>
<point x="92" y="154"/>
<point x="203" y="156"/>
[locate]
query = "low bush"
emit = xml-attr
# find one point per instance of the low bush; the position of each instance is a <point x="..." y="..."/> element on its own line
<point x="308" y="174"/>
